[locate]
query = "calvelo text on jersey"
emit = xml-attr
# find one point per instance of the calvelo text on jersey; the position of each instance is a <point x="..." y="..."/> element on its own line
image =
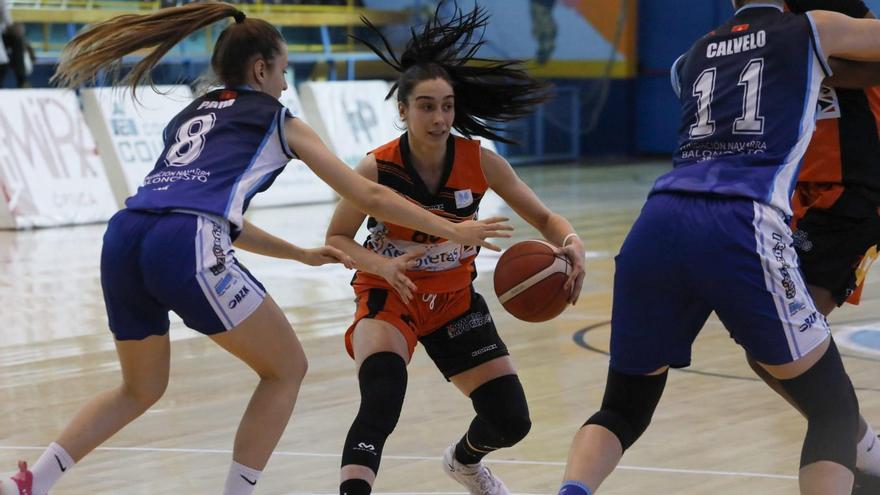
<point x="220" y="151"/>
<point x="748" y="92"/>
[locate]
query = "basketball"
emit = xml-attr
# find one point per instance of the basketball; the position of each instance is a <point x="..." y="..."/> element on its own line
<point x="529" y="280"/>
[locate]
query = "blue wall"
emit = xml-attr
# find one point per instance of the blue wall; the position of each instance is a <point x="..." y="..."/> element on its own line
<point x="666" y="29"/>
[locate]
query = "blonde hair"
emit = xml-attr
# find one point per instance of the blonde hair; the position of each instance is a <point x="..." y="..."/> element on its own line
<point x="101" y="47"/>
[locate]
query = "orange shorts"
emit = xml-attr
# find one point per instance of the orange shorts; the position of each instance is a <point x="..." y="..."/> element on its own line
<point x="455" y="327"/>
<point x="422" y="316"/>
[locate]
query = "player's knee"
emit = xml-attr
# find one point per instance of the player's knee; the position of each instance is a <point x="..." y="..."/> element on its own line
<point x="289" y="370"/>
<point x="382" y="377"/>
<point x="145" y="393"/>
<point x="826" y="396"/>
<point x="628" y="405"/>
<point x="501" y="403"/>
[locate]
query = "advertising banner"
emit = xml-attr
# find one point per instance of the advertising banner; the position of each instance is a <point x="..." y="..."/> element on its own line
<point x="50" y="170"/>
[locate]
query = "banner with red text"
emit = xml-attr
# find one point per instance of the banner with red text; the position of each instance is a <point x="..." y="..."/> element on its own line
<point x="50" y="171"/>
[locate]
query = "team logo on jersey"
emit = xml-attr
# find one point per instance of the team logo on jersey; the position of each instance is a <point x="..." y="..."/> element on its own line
<point x="463" y="198"/>
<point x="739" y="28"/>
<point x="829" y="104"/>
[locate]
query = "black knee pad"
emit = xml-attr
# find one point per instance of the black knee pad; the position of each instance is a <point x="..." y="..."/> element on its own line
<point x="826" y="396"/>
<point x="382" y="380"/>
<point x="501" y="405"/>
<point x="629" y="404"/>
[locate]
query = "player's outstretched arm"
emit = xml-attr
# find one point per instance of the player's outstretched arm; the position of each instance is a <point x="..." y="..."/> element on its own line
<point x="257" y="240"/>
<point x="378" y="200"/>
<point x="553" y="226"/>
<point x="846" y="37"/>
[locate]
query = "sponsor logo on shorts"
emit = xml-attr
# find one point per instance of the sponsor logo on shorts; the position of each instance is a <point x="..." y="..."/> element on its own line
<point x="795" y="307"/>
<point x="239" y="297"/>
<point x="802" y="240"/>
<point x="483" y="350"/>
<point x="223" y="285"/>
<point x="809" y="321"/>
<point x="779" y="253"/>
<point x="467" y="323"/>
<point x="366" y="447"/>
<point x="217" y="249"/>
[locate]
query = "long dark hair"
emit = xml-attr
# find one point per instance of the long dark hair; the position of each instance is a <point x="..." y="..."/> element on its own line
<point x="102" y="46"/>
<point x="487" y="91"/>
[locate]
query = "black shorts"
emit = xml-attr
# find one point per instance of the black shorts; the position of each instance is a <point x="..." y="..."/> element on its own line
<point x="465" y="342"/>
<point x="831" y="248"/>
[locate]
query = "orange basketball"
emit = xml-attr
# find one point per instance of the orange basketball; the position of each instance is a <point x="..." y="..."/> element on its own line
<point x="529" y="280"/>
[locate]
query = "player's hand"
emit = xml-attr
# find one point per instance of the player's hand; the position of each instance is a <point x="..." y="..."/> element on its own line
<point x="394" y="272"/>
<point x="475" y="232"/>
<point x="324" y="255"/>
<point x="576" y="254"/>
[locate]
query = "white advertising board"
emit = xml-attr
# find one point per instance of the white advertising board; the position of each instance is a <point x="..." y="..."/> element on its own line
<point x="129" y="133"/>
<point x="50" y="170"/>
<point x="352" y="117"/>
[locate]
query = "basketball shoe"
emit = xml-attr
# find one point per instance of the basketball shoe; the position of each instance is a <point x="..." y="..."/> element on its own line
<point x="21" y="483"/>
<point x="477" y="478"/>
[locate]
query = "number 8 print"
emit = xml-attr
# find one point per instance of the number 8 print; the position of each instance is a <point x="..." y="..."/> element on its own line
<point x="190" y="140"/>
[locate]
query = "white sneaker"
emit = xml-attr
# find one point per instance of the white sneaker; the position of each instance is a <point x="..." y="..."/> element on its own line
<point x="477" y="478"/>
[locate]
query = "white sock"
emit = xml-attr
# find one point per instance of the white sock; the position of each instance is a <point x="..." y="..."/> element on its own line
<point x="241" y="480"/>
<point x="54" y="463"/>
<point x="868" y="459"/>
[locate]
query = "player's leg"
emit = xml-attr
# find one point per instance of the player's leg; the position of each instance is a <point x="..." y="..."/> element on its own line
<point x="216" y="295"/>
<point x="265" y="342"/>
<point x="145" y="366"/>
<point x="381" y="351"/>
<point x="469" y="352"/>
<point x="656" y="315"/>
<point x="626" y="411"/>
<point x="140" y="325"/>
<point x="831" y="251"/>
<point x="765" y="305"/>
<point x="818" y="384"/>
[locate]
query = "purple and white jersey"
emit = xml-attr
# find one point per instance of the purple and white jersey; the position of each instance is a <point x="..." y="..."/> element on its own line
<point x="220" y="151"/>
<point x="748" y="94"/>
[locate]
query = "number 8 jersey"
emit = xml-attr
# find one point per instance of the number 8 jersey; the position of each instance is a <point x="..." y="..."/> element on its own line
<point x="220" y="151"/>
<point x="748" y="92"/>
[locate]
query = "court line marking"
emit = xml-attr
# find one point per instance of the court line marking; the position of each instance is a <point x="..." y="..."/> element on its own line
<point x="283" y="453"/>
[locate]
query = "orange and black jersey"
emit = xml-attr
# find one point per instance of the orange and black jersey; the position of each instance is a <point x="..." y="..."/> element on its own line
<point x="841" y="170"/>
<point x="446" y="266"/>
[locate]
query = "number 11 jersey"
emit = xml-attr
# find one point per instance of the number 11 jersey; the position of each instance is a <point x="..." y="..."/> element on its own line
<point x="748" y="92"/>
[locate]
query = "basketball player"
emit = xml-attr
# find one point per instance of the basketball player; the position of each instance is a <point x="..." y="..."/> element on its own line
<point x="412" y="287"/>
<point x="835" y="204"/>
<point x="171" y="248"/>
<point x="714" y="236"/>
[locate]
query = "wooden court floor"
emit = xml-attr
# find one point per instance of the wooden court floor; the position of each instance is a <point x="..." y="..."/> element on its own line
<point x="717" y="431"/>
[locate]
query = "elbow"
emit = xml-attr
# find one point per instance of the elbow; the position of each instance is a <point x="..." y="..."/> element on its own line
<point x="332" y="239"/>
<point x="373" y="199"/>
